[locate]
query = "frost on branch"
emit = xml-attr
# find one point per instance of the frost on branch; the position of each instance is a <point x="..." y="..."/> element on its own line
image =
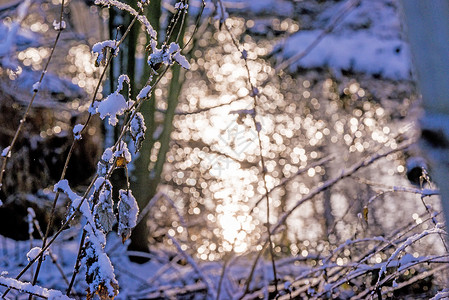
<point x="99" y="272"/>
<point x="122" y="6"/>
<point x="115" y="104"/>
<point x="167" y="56"/>
<point x="144" y="92"/>
<point x="137" y="130"/>
<point x="181" y="5"/>
<point x="32" y="289"/>
<point x="34" y="252"/>
<point x="103" y="210"/>
<point x="127" y="214"/>
<point x="75" y="200"/>
<point x="101" y="47"/>
<point x="122" y="78"/>
<point x="6" y="152"/>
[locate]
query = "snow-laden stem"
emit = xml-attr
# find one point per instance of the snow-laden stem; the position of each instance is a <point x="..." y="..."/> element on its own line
<point x="434" y="221"/>
<point x="360" y="267"/>
<point x="418" y="277"/>
<point x="32" y="290"/>
<point x="69" y="155"/>
<point x="407" y="243"/>
<point x="135" y="108"/>
<point x="396" y="237"/>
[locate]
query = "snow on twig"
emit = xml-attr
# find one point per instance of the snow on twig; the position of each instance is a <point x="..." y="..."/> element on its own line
<point x="443" y="294"/>
<point x="114" y="105"/>
<point x="59" y="25"/>
<point x="100" y="49"/>
<point x="144" y="92"/>
<point x="6" y="152"/>
<point x="34" y="252"/>
<point x="122" y="6"/>
<point x="77" y="129"/>
<point x="33" y="289"/>
<point x="167" y="55"/>
<point x="408" y="242"/>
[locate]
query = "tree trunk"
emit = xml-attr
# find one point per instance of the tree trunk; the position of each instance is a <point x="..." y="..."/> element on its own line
<point x="145" y="186"/>
<point x="141" y="186"/>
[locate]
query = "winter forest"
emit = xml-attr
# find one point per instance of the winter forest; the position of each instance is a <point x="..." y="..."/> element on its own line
<point x="224" y="149"/>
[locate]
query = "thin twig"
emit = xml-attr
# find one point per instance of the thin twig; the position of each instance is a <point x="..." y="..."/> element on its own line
<point x="191" y="261"/>
<point x="76" y="269"/>
<point x="52" y="256"/>
<point x="203" y="5"/>
<point x="254" y="94"/>
<point x="27" y="111"/>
